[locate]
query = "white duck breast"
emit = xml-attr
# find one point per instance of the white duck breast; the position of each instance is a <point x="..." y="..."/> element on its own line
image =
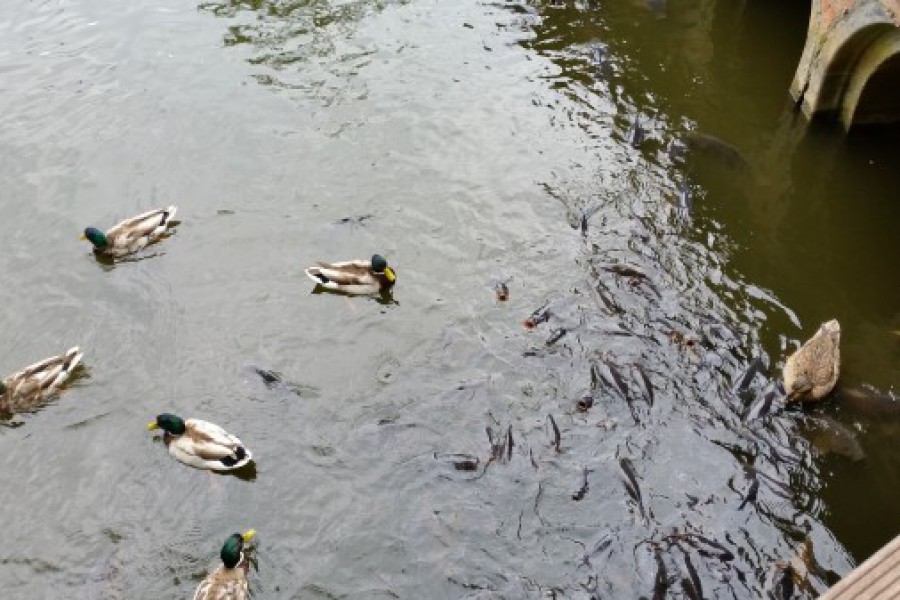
<point x="137" y="232"/>
<point x="205" y="445"/>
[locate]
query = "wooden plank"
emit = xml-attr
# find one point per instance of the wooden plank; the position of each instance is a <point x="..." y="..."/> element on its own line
<point x="878" y="578"/>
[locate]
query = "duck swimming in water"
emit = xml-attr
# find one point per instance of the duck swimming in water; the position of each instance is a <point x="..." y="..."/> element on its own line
<point x="355" y="276"/>
<point x="229" y="581"/>
<point x="201" y="444"/>
<point x="131" y="235"/>
<point x="26" y="389"/>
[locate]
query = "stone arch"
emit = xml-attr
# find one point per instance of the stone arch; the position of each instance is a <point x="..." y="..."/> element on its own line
<point x="849" y="54"/>
<point x="872" y="94"/>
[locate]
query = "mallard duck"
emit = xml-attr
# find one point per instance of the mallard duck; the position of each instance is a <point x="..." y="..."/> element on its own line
<point x="201" y="444"/>
<point x="228" y="582"/>
<point x="811" y="372"/>
<point x="354" y="276"/>
<point x="132" y="234"/>
<point x="26" y="389"/>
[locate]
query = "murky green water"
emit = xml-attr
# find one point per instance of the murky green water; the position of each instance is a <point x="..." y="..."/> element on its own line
<point x="464" y="141"/>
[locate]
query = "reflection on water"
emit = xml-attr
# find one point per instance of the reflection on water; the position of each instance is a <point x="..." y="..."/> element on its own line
<point x="636" y="193"/>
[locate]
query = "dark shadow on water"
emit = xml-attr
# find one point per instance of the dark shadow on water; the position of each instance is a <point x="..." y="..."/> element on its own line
<point x="385" y="298"/>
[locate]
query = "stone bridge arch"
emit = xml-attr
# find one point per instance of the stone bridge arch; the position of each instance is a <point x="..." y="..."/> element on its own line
<point x="850" y="68"/>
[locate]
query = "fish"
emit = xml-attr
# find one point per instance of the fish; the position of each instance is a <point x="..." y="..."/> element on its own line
<point x="829" y="436"/>
<point x="705" y="546"/>
<point x="502" y="291"/>
<point x="636" y="134"/>
<point x="539" y="316"/>
<point x="600" y="58"/>
<point x="625" y="271"/>
<point x="782" y="582"/>
<point x="645" y="379"/>
<point x="585" y="403"/>
<point x="460" y="462"/>
<point x="691" y="586"/>
<point x="661" y="581"/>
<point x="685" y="199"/>
<point x="583" y="489"/>
<point x="631" y="484"/>
<point x="750" y="496"/>
<point x="746" y="379"/>
<point x="712" y="148"/>
<point x="557" y="335"/>
<point x="600" y="545"/>
<point x="556" y="435"/>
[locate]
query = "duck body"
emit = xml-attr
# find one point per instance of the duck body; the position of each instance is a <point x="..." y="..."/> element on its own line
<point x="201" y="444"/>
<point x="224" y="584"/>
<point x="356" y="277"/>
<point x="811" y="372"/>
<point x="229" y="581"/>
<point x="131" y="235"/>
<point x="26" y="389"/>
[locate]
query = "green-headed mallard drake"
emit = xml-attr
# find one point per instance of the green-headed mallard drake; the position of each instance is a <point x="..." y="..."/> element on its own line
<point x="132" y="234"/>
<point x="201" y="444"/>
<point x="228" y="582"/>
<point x="354" y="276"/>
<point x="26" y="389"/>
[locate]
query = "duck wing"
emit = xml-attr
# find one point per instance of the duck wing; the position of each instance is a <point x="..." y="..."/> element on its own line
<point x="210" y="442"/>
<point x="44" y="376"/>
<point x="353" y="272"/>
<point x="147" y="225"/>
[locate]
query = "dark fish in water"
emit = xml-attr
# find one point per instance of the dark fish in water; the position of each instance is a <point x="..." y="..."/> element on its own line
<point x="746" y="379"/>
<point x="712" y="148"/>
<point x="782" y="586"/>
<point x="599" y="546"/>
<point x="764" y="406"/>
<point x="460" y="462"/>
<point x="685" y="199"/>
<point x="631" y="485"/>
<point x="636" y="134"/>
<point x="502" y="291"/>
<point x="704" y="545"/>
<point x="585" y="217"/>
<point x="270" y="378"/>
<point x="509" y="443"/>
<point x="600" y="374"/>
<point x="645" y="380"/>
<point x="661" y="581"/>
<point x="692" y="587"/>
<point x="625" y="271"/>
<point x="868" y="402"/>
<point x="750" y="496"/>
<point x="585" y="403"/>
<point x="830" y="436"/>
<point x="539" y="316"/>
<point x="600" y="58"/>
<point x="583" y="488"/>
<point x="557" y="335"/>
<point x="357" y="220"/>
<point x="556" y="435"/>
<point x="617" y="377"/>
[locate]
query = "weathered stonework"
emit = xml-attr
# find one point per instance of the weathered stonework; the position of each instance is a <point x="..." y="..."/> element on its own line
<point x="850" y="68"/>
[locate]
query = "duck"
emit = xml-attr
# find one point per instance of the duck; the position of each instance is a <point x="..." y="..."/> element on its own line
<point x="201" y="444"/>
<point x="132" y="234"/>
<point x="357" y="277"/>
<point x="229" y="581"/>
<point x="26" y="389"/>
<point x="811" y="372"/>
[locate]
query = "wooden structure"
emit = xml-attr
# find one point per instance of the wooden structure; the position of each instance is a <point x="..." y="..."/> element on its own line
<point x="878" y="578"/>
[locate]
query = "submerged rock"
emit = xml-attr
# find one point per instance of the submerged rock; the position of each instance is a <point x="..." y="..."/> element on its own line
<point x="811" y="372"/>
